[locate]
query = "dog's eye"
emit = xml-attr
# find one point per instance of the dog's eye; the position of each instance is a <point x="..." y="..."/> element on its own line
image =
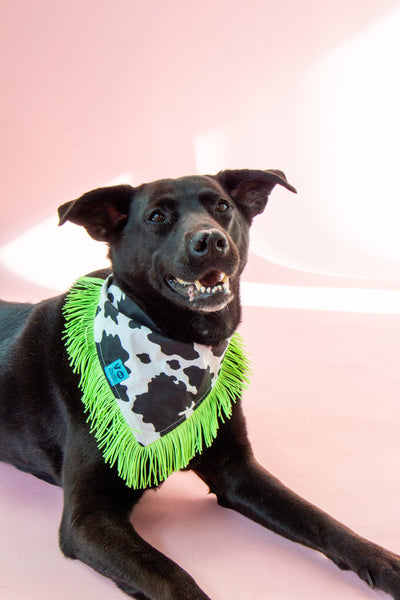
<point x="157" y="217"/>
<point x="222" y="206"/>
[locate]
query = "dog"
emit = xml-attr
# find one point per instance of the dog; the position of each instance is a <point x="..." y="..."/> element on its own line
<point x="177" y="249"/>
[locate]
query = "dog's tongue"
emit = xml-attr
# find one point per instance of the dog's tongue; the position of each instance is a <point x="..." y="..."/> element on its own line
<point x="212" y="278"/>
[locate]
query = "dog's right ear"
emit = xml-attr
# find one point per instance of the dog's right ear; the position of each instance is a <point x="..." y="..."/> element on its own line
<point x="103" y="212"/>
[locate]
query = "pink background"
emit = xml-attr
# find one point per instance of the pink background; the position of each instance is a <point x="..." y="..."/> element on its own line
<point x="95" y="92"/>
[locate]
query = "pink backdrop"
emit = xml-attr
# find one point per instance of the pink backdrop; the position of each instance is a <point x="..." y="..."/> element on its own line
<point x="95" y="92"/>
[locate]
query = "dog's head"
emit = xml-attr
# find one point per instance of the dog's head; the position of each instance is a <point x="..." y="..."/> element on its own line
<point x="180" y="243"/>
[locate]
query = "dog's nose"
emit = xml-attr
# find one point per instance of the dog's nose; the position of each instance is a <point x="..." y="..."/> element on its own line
<point x="208" y="241"/>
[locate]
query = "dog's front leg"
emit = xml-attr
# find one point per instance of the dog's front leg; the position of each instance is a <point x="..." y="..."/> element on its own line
<point x="97" y="530"/>
<point x="240" y="483"/>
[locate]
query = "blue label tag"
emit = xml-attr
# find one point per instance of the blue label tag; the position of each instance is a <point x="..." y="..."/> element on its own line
<point x="116" y="372"/>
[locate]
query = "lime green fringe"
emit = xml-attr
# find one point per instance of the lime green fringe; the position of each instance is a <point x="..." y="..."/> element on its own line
<point x="143" y="466"/>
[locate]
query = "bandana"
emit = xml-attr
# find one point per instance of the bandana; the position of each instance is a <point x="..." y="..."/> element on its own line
<point x="152" y="401"/>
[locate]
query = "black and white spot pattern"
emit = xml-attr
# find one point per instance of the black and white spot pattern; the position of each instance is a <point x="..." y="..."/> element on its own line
<point x="156" y="381"/>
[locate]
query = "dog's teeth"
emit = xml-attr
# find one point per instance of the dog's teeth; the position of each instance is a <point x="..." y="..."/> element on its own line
<point x="196" y="286"/>
<point x="225" y="283"/>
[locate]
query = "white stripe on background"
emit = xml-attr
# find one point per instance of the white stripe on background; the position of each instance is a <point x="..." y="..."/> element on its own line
<point x="356" y="300"/>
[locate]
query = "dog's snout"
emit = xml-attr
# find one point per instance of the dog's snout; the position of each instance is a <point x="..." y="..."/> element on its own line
<point x="208" y="241"/>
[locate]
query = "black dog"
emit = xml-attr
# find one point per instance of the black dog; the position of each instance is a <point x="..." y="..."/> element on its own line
<point x="177" y="248"/>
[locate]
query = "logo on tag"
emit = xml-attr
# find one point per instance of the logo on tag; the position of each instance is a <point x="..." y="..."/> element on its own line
<point x="116" y="372"/>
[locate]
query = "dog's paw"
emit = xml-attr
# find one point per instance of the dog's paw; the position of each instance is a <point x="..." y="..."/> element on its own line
<point x="380" y="569"/>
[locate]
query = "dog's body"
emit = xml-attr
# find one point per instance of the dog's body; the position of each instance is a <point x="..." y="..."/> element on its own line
<point x="178" y="248"/>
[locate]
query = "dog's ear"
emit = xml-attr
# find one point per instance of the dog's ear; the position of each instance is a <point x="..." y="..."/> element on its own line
<point x="250" y="189"/>
<point x="103" y="212"/>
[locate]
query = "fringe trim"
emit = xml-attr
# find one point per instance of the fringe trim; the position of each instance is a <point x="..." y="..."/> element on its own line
<point x="143" y="466"/>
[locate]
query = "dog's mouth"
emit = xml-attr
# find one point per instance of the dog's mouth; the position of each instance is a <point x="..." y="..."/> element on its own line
<point x="209" y="293"/>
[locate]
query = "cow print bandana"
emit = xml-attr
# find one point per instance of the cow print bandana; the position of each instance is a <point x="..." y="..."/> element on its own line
<point x="152" y="402"/>
<point x="157" y="382"/>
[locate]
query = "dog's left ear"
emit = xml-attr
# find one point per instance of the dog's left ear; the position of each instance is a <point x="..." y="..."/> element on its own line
<point x="103" y="212"/>
<point x="250" y="188"/>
